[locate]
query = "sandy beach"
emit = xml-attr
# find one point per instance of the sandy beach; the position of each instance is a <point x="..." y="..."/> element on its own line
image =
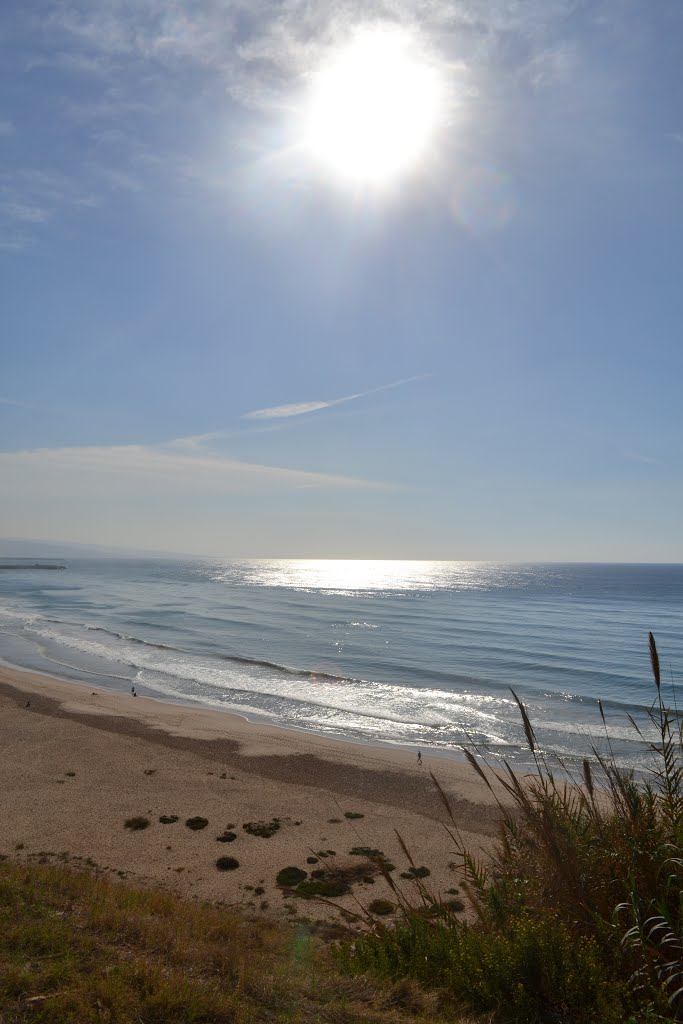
<point x="79" y="762"/>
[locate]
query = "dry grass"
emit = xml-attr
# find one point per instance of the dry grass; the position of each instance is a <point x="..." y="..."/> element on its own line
<point x="75" y="949"/>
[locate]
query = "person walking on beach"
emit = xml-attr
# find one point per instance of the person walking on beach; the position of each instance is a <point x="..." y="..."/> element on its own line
<point x="419" y="757"/>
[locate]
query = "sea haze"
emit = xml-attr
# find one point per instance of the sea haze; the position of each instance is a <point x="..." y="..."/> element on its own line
<point x="412" y="653"/>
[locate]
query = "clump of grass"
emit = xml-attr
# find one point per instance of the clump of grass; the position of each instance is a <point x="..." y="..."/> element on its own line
<point x="71" y="775"/>
<point x="227" y="863"/>
<point x="327" y="887"/>
<point x="382" y="907"/>
<point x="197" y="823"/>
<point x="137" y="824"/>
<point x="168" y="819"/>
<point x="365" y="851"/>
<point x="227" y="837"/>
<point x="414" y="872"/>
<point x="353" y="815"/>
<point x="312" y="860"/>
<point x="289" y="877"/>
<point x="579" y="913"/>
<point x="264" y="829"/>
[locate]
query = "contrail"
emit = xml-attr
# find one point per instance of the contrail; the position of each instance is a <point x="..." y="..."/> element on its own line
<point x="277" y="412"/>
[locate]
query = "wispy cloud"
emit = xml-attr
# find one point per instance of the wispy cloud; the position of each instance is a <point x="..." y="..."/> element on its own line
<point x="277" y="412"/>
<point x="30" y="199"/>
<point x="637" y="457"/>
<point x="13" y="401"/>
<point x="239" y="38"/>
<point x="184" y="462"/>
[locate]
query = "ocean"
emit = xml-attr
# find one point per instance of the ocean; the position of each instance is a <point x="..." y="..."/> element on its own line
<point x="416" y="654"/>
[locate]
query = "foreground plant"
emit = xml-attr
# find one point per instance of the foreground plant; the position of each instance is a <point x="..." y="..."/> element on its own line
<point x="579" y="915"/>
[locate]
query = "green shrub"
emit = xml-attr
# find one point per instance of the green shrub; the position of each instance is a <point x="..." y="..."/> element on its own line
<point x="381" y="907"/>
<point x="197" y="823"/>
<point x="168" y="819"/>
<point x="227" y="863"/>
<point x="264" y="829"/>
<point x="416" y="873"/>
<point x="227" y="837"/>
<point x="289" y="877"/>
<point x="537" y="971"/>
<point x="328" y="887"/>
<point x="137" y="824"/>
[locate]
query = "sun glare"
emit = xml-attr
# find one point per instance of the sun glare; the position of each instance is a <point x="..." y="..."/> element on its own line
<point x="373" y="109"/>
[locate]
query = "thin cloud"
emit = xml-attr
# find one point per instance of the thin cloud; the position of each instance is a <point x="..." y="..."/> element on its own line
<point x="277" y="412"/>
<point x="184" y="462"/>
<point x="637" y="457"/>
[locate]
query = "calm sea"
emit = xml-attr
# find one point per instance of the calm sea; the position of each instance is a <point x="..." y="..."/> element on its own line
<point x="412" y="653"/>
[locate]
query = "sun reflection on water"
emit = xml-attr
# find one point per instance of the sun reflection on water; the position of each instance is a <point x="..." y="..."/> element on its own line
<point x="353" y="575"/>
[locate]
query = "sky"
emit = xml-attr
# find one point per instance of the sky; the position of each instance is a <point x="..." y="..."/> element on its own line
<point x="231" y="325"/>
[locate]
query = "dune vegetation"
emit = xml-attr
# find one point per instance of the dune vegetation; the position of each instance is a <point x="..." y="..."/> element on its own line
<point x="579" y="918"/>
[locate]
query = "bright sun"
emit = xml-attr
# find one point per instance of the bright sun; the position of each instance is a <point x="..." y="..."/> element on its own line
<point x="373" y="109"/>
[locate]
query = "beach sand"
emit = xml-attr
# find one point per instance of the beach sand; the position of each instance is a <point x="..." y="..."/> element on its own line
<point x="78" y="762"/>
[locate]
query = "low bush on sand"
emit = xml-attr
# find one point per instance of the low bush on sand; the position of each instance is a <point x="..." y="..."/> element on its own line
<point x="197" y="823"/>
<point x="137" y="824"/>
<point x="227" y="863"/>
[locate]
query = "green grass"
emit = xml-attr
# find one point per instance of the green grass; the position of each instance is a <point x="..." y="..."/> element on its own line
<point x="579" y="917"/>
<point x="75" y="949"/>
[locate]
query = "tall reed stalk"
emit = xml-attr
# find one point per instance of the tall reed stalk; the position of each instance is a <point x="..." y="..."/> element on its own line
<point x="579" y="912"/>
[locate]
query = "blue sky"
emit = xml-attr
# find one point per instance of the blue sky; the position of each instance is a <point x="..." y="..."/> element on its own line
<point x="211" y="343"/>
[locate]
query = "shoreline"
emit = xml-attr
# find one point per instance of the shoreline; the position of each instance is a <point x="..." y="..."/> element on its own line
<point x="252" y="718"/>
<point x="79" y="762"/>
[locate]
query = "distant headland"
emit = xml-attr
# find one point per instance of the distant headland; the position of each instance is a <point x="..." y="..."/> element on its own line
<point x="32" y="565"/>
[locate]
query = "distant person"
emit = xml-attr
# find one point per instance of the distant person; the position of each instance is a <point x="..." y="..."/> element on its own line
<point x="419" y="757"/>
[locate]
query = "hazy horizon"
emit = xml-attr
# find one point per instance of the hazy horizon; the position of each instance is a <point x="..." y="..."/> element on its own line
<point x="27" y="548"/>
